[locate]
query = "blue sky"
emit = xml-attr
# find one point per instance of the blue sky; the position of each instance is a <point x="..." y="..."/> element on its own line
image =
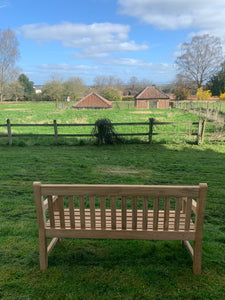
<point x="122" y="38"/>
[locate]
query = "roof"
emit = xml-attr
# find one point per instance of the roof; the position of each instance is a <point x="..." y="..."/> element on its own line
<point x="150" y="93"/>
<point x="93" y="100"/>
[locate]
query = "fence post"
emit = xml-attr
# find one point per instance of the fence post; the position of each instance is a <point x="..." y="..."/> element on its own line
<point x="9" y="132"/>
<point x="151" y="123"/>
<point x="199" y="131"/>
<point x="56" y="132"/>
<point x="203" y="131"/>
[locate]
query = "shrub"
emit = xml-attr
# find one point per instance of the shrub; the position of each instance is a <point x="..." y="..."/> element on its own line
<point x="104" y="133"/>
<point x="111" y="94"/>
<point x="181" y="93"/>
<point x="203" y="95"/>
<point x="128" y="98"/>
<point x="222" y="96"/>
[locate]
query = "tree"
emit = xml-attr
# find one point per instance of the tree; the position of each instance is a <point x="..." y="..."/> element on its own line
<point x="217" y="83"/>
<point x="181" y="93"/>
<point x="200" y="59"/>
<point x="9" y="53"/>
<point x="14" y="90"/>
<point x="133" y="82"/>
<point x="27" y="85"/>
<point x="102" y="81"/>
<point x="111" y="94"/>
<point x="53" y="90"/>
<point x="73" y="88"/>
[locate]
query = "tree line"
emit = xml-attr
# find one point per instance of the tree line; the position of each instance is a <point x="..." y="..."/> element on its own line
<point x="200" y="65"/>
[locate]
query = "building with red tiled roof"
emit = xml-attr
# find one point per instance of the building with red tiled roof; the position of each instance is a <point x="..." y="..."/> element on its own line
<point x="152" y="97"/>
<point x="93" y="101"/>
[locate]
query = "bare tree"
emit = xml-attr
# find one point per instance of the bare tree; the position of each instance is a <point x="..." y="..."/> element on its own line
<point x="102" y="81"/>
<point x="9" y="53"/>
<point x="200" y="59"/>
<point x="133" y="82"/>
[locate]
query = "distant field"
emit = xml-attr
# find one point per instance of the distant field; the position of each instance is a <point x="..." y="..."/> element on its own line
<point x="45" y="113"/>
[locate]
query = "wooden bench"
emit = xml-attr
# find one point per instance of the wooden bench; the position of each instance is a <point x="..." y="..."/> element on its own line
<point x="120" y="212"/>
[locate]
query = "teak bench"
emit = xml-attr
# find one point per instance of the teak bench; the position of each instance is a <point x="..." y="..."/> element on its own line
<point x="120" y="212"/>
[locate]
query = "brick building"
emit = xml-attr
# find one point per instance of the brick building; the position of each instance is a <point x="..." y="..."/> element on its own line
<point x="152" y="97"/>
<point x="93" y="101"/>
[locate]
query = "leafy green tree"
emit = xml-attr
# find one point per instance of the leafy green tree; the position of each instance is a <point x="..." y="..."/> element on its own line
<point x="74" y="88"/>
<point x="53" y="90"/>
<point x="217" y="82"/>
<point x="111" y="94"/>
<point x="14" y="91"/>
<point x="28" y="85"/>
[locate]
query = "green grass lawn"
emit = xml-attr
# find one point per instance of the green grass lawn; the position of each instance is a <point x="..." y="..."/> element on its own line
<point x="108" y="269"/>
<point x="105" y="269"/>
<point x="45" y="113"/>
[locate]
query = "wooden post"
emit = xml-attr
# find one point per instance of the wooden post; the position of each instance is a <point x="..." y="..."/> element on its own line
<point x="56" y="132"/>
<point x="203" y="131"/>
<point x="199" y="131"/>
<point x="151" y="123"/>
<point x="9" y="132"/>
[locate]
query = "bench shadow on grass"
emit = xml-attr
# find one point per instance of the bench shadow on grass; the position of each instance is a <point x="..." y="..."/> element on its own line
<point x="124" y="253"/>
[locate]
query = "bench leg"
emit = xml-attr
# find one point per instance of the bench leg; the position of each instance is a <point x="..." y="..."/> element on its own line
<point x="197" y="257"/>
<point x="43" y="256"/>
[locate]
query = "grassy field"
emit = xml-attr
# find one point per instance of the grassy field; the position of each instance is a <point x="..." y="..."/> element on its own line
<point x="45" y="113"/>
<point x="107" y="269"/>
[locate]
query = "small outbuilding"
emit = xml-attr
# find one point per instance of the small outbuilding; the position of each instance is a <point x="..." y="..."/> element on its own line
<point x="152" y="97"/>
<point x="93" y="101"/>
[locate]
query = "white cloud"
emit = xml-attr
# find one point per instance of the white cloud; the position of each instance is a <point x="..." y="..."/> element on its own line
<point x="95" y="40"/>
<point x="65" y="67"/>
<point x="4" y="4"/>
<point x="129" y="62"/>
<point x="177" y="14"/>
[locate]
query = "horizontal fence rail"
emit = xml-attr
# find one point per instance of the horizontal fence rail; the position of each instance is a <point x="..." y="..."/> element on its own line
<point x="150" y="125"/>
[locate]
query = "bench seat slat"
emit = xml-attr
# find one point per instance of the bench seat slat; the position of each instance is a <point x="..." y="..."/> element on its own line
<point x="119" y="221"/>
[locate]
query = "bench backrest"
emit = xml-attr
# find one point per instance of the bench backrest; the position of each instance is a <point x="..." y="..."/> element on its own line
<point x="151" y="201"/>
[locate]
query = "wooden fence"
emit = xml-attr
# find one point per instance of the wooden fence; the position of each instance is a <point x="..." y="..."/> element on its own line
<point x="206" y="109"/>
<point x="199" y="130"/>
